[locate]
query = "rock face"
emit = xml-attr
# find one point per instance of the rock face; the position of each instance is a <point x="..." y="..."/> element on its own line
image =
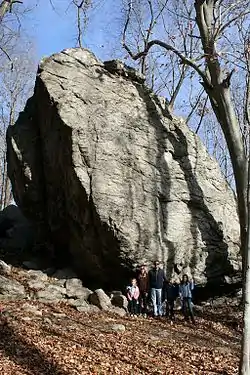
<point x="95" y="161"/>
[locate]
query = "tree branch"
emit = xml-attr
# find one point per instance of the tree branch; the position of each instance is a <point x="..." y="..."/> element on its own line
<point x="168" y="47"/>
<point x="226" y="81"/>
<point x="6" y="6"/>
<point x="8" y="57"/>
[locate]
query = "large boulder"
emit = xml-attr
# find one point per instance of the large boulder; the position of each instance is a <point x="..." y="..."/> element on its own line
<point x="96" y="161"/>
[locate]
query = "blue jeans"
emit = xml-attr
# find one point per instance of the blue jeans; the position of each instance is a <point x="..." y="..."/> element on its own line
<point x="156" y="300"/>
<point x="188" y="308"/>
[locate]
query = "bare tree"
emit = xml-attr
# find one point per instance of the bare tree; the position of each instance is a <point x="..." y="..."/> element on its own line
<point x="82" y="7"/>
<point x="15" y="71"/>
<point x="163" y="72"/>
<point x="16" y="87"/>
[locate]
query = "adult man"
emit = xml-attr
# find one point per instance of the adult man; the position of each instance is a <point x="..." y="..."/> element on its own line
<point x="143" y="285"/>
<point x="156" y="280"/>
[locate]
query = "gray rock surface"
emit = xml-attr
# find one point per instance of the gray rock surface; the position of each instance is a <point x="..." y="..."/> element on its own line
<point x="11" y="287"/>
<point x="93" y="159"/>
<point x="5" y="269"/>
<point x="100" y="299"/>
<point x="75" y="289"/>
<point x="118" y="327"/>
<point x="117" y="311"/>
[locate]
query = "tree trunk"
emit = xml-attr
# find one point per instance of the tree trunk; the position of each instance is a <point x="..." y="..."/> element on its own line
<point x="223" y="109"/>
<point x="4" y="8"/>
<point x="217" y="87"/>
<point x="245" y="343"/>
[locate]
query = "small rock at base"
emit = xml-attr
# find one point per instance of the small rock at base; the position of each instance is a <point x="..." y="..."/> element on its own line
<point x="118" y="327"/>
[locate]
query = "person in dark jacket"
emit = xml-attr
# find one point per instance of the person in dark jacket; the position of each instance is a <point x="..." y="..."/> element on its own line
<point x="143" y="284"/>
<point x="156" y="280"/>
<point x="171" y="292"/>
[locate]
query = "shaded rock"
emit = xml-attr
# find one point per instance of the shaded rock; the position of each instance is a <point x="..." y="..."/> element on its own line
<point x="52" y="293"/>
<point x="76" y="302"/>
<point x="36" y="284"/>
<point x="65" y="273"/>
<point x="37" y="275"/>
<point x="31" y="265"/>
<point x="73" y="283"/>
<point x="234" y="279"/>
<point x="16" y="232"/>
<point x="119" y="301"/>
<point x="138" y="182"/>
<point x="49" y="271"/>
<point x="59" y="315"/>
<point x="5" y="269"/>
<point x="11" y="288"/>
<point x="75" y="289"/>
<point x="118" y="327"/>
<point x="100" y="299"/>
<point x="117" y="310"/>
<point x="84" y="307"/>
<point x="77" y="292"/>
<point x="94" y="309"/>
<point x="115" y="293"/>
<point x="59" y="282"/>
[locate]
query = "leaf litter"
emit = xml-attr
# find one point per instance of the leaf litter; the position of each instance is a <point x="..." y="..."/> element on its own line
<point x="62" y="341"/>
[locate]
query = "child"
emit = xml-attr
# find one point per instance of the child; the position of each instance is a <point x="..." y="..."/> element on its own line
<point x="185" y="291"/>
<point x="133" y="294"/>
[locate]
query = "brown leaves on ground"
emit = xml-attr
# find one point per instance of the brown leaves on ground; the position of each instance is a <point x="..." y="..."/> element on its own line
<point x="61" y="341"/>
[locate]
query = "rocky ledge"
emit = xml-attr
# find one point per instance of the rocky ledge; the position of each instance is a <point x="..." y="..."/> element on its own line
<point x="55" y="286"/>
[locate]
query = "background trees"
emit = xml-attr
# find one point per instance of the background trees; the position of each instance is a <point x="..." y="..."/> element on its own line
<point x="17" y="72"/>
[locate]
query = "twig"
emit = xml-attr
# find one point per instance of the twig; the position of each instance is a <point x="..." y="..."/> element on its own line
<point x="8" y="57"/>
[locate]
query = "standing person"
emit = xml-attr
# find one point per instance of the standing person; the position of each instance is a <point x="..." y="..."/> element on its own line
<point x="143" y="284"/>
<point x="185" y="291"/>
<point x="171" y="291"/>
<point x="133" y="294"/>
<point x="156" y="279"/>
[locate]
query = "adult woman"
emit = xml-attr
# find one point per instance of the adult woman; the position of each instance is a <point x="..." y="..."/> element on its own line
<point x="185" y="291"/>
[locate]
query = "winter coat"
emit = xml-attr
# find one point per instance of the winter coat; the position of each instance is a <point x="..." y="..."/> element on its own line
<point x="132" y="292"/>
<point x="156" y="278"/>
<point x="185" y="290"/>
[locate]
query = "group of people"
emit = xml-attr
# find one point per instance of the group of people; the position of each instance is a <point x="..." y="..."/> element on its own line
<point x="153" y="285"/>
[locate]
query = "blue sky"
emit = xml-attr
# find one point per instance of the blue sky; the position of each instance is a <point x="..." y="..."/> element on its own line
<point x="53" y="30"/>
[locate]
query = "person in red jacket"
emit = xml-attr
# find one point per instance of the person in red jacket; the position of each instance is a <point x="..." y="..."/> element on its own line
<point x="133" y="294"/>
<point x="143" y="284"/>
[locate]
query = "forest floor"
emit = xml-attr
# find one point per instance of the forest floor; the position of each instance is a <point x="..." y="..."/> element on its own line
<point x="39" y="339"/>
